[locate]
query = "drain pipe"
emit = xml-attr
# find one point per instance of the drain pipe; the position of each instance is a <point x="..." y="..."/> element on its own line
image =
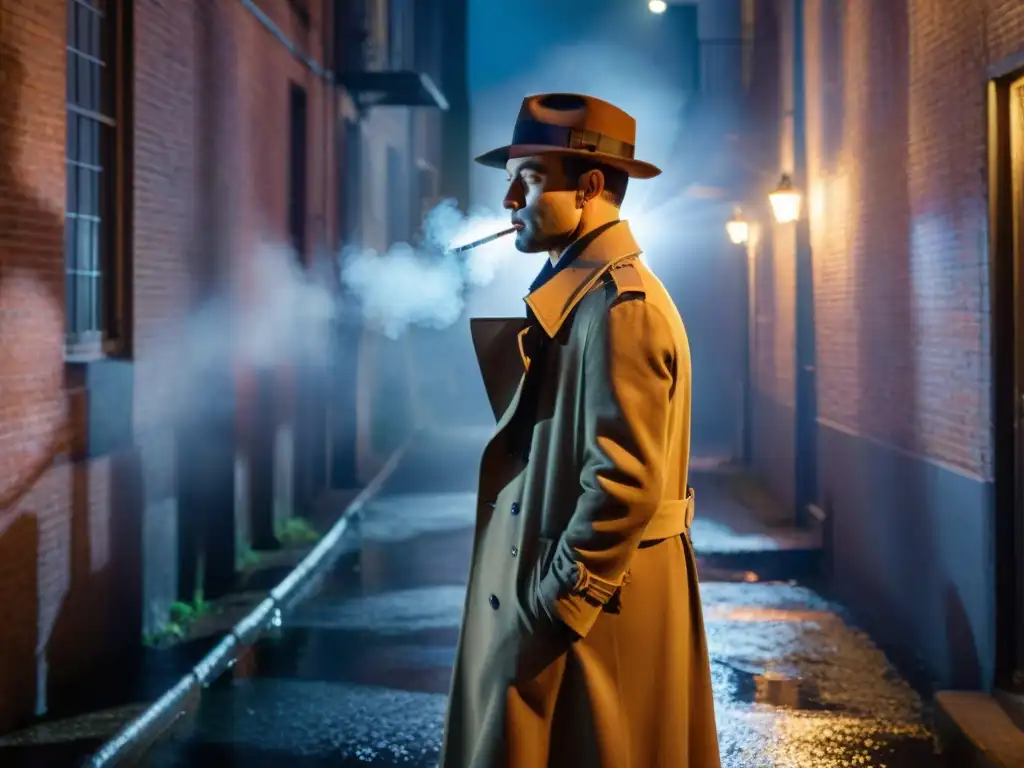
<point x="314" y="66"/>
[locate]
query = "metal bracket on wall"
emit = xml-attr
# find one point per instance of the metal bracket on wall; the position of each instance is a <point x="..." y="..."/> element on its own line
<point x="817" y="513"/>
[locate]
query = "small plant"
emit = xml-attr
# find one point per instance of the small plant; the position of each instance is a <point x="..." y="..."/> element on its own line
<point x="297" y="532"/>
<point x="181" y="615"/>
<point x="245" y="556"/>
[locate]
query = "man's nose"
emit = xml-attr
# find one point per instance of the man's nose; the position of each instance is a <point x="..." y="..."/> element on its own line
<point x="514" y="197"/>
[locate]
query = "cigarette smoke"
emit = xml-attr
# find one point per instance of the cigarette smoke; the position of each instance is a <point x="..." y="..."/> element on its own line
<point x="282" y="313"/>
<point x="275" y="312"/>
<point x="423" y="285"/>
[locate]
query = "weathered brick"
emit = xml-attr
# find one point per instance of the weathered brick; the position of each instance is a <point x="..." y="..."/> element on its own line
<point x="58" y="518"/>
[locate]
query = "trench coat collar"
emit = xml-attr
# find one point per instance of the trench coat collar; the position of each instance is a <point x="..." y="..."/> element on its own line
<point x="555" y="299"/>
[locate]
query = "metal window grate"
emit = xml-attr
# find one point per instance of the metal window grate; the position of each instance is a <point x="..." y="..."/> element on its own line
<point x="91" y="126"/>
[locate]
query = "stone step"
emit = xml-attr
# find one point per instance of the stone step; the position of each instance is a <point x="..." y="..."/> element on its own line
<point x="976" y="731"/>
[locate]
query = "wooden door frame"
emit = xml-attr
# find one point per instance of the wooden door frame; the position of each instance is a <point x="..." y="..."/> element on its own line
<point x="1006" y="265"/>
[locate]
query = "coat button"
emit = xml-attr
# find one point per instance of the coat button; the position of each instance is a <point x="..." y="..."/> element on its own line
<point x="493" y="600"/>
<point x="515" y="508"/>
<point x="515" y="551"/>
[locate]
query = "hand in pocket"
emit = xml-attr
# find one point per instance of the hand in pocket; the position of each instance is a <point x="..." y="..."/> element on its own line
<point x="543" y="636"/>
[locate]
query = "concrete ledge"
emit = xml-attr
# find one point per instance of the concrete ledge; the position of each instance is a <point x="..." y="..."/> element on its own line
<point x="976" y="732"/>
<point x="130" y="744"/>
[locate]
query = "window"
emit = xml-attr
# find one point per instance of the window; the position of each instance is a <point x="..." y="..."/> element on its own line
<point x="94" y="310"/>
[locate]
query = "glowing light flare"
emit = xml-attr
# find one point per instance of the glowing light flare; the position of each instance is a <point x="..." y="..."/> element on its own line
<point x="738" y="228"/>
<point x="785" y="201"/>
<point x="657" y="6"/>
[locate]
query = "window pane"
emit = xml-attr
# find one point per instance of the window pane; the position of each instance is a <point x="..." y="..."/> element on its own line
<point x="81" y="38"/>
<point x="84" y="85"/>
<point x="86" y="201"/>
<point x="85" y="128"/>
<point x="100" y="210"/>
<point x="92" y="252"/>
<point x="70" y="235"/>
<point x="85" y="230"/>
<point x="94" y="36"/>
<point x="72" y="189"/>
<point x="84" y="300"/>
<point x="69" y="300"/>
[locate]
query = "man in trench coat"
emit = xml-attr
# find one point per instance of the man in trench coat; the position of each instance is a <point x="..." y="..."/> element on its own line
<point x="582" y="643"/>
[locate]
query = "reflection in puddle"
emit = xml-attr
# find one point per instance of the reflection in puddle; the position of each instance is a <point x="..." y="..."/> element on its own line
<point x="778" y="688"/>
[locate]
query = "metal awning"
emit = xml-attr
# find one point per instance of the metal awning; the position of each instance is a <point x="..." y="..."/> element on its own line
<point x="401" y="88"/>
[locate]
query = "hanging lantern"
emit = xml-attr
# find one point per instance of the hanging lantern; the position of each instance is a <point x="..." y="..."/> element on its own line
<point x="785" y="201"/>
<point x="737" y="228"/>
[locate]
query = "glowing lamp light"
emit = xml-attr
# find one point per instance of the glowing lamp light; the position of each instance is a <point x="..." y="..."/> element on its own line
<point x="657" y="6"/>
<point x="785" y="201"/>
<point x="737" y="228"/>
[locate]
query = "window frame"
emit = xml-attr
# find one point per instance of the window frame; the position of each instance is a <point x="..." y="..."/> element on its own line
<point x="112" y="206"/>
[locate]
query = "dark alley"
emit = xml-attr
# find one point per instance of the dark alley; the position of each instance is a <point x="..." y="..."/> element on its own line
<point x="469" y="384"/>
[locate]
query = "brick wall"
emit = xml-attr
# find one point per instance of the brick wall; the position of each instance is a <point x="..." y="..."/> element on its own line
<point x="897" y="205"/>
<point x="34" y="499"/>
<point x="896" y="200"/>
<point x="70" y="531"/>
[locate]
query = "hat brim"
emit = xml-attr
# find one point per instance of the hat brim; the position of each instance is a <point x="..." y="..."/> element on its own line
<point x="498" y="158"/>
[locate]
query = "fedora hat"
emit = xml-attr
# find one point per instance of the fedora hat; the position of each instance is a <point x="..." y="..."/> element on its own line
<point x="573" y="124"/>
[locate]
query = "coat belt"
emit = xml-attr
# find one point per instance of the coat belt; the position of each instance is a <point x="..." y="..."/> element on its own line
<point x="673" y="518"/>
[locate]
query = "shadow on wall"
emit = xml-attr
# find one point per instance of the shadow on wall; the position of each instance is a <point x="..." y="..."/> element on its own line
<point x="50" y="647"/>
<point x="19" y="590"/>
<point x="32" y="394"/>
<point x="96" y="637"/>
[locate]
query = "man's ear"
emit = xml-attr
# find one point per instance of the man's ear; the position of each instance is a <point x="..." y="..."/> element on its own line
<point x="591" y="185"/>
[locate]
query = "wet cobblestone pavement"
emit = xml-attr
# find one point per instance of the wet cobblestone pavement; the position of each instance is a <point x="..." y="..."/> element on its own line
<point x="358" y="674"/>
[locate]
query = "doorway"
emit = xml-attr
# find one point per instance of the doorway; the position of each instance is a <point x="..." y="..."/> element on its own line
<point x="1006" y="214"/>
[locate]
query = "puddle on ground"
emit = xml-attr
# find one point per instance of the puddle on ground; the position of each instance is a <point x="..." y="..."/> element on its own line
<point x="778" y="688"/>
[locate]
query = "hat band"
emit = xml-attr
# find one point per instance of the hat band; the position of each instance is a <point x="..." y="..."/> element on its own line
<point x="534" y="132"/>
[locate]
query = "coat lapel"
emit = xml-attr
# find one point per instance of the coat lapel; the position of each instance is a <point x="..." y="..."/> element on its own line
<point x="554" y="301"/>
<point x="498" y="344"/>
<point x="501" y="344"/>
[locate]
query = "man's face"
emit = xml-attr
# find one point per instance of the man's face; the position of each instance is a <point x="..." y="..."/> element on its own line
<point x="543" y="203"/>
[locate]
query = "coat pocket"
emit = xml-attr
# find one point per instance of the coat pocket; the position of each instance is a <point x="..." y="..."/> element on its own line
<point x="533" y="599"/>
<point x="540" y="643"/>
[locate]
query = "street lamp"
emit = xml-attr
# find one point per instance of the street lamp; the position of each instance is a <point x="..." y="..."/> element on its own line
<point x="657" y="6"/>
<point x="785" y="201"/>
<point x="737" y="228"/>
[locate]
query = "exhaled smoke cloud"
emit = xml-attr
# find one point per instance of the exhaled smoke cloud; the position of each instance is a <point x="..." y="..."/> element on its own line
<point x="277" y="313"/>
<point x="288" y="312"/>
<point x="424" y="285"/>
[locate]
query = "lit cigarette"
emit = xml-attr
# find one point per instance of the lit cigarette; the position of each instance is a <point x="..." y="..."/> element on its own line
<point x="483" y="240"/>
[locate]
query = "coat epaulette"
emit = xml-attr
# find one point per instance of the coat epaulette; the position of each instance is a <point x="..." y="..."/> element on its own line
<point x="627" y="280"/>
